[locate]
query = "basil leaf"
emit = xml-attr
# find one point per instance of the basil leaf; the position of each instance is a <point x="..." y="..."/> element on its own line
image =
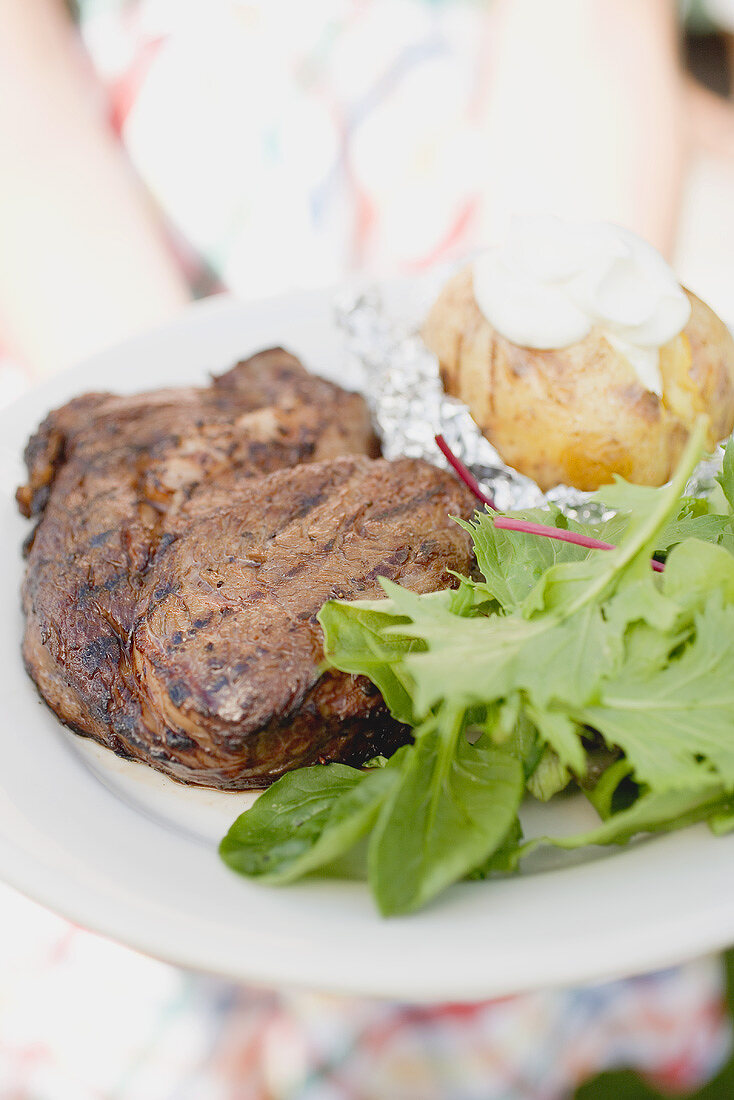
<point x="307" y="818"/>
<point x="452" y="807"/>
<point x="504" y="860"/>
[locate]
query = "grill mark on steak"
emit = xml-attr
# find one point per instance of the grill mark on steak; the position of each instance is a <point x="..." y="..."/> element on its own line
<point x="171" y="595"/>
<point x="404" y="506"/>
<point x="266" y="640"/>
<point x="91" y="465"/>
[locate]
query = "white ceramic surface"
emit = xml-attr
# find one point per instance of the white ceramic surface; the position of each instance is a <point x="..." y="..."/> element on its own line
<point x="121" y="850"/>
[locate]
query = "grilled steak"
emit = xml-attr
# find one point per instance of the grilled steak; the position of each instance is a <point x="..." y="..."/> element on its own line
<point x="226" y="651"/>
<point x="107" y="474"/>
<point x="171" y="593"/>
<point x="266" y="413"/>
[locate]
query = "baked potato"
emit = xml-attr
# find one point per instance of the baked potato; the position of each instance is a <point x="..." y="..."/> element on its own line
<point x="579" y="414"/>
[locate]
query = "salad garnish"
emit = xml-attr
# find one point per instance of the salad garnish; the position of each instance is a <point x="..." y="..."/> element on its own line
<point x="555" y="666"/>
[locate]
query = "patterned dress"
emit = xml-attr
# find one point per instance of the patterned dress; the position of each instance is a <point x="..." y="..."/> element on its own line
<point x="290" y="143"/>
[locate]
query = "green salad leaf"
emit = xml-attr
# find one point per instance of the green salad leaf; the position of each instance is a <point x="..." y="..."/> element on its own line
<point x="550" y="776"/>
<point x="366" y="648"/>
<point x="451" y="809"/>
<point x="650" y="813"/>
<point x="726" y="478"/>
<point x="305" y="820"/>
<point x="512" y="562"/>
<point x="676" y="726"/>
<point x="556" y="664"/>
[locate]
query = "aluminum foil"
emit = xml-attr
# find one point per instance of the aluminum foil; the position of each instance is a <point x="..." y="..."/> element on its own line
<point x="402" y="386"/>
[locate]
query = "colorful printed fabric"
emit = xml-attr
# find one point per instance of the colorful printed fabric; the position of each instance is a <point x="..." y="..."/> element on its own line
<point x="82" y="1018"/>
<point x="286" y="142"/>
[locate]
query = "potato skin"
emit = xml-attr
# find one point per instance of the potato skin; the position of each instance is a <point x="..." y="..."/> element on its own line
<point x="578" y="415"/>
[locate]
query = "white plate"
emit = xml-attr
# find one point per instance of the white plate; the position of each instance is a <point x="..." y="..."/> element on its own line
<point x="119" y="849"/>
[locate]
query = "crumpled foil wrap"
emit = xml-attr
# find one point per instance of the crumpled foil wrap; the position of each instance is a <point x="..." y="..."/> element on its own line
<point x="403" y="389"/>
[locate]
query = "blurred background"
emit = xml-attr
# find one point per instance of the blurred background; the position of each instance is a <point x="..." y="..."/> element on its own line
<point x="155" y="151"/>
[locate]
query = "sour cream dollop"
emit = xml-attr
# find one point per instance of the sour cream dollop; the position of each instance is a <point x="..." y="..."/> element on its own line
<point x="551" y="281"/>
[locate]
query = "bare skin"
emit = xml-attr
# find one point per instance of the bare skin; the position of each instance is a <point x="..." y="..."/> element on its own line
<point x="83" y="259"/>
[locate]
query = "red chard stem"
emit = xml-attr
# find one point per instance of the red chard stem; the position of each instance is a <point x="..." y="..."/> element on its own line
<point x="462" y="473"/>
<point x="509" y="523"/>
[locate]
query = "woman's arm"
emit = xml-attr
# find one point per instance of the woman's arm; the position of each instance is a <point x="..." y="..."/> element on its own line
<point x="82" y="257"/>
<point x="585" y="113"/>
